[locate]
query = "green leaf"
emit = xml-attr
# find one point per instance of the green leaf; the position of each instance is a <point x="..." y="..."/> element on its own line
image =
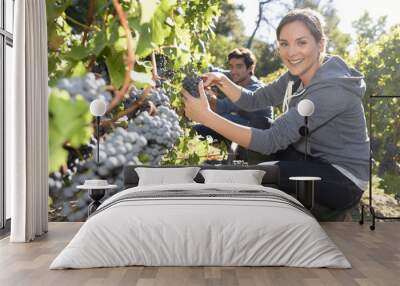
<point x="116" y="68"/>
<point x="52" y="62"/>
<point x="101" y="5"/>
<point x="99" y="42"/>
<point x="144" y="158"/>
<point x="159" y="30"/>
<point x="54" y="40"/>
<point x="143" y="66"/>
<point x="78" y="70"/>
<point x="57" y="154"/>
<point x="69" y="116"/>
<point x="143" y="42"/>
<point x="183" y="57"/>
<point x="69" y="122"/>
<point x="183" y="36"/>
<point x="142" y="79"/>
<point x="121" y="44"/>
<point x="112" y="31"/>
<point x="55" y="8"/>
<point x="150" y="35"/>
<point x="203" y="48"/>
<point x="77" y="53"/>
<point x="166" y="5"/>
<point x="148" y="7"/>
<point x="144" y="46"/>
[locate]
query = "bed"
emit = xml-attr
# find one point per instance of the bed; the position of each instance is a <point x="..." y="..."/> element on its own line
<point x="201" y="224"/>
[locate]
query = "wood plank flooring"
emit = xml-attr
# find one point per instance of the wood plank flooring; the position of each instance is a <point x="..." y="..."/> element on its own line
<point x="374" y="255"/>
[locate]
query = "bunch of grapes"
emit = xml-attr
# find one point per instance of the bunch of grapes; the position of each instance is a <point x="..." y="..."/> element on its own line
<point x="119" y="148"/>
<point x="56" y="182"/>
<point x="157" y="96"/>
<point x="190" y="83"/>
<point x="160" y="130"/>
<point x="147" y="136"/>
<point x="88" y="86"/>
<point x="100" y="68"/>
<point x="69" y="203"/>
<point x="164" y="66"/>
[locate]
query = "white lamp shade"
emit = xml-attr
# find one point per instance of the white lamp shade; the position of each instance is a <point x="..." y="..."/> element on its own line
<point x="98" y="107"/>
<point x="305" y="107"/>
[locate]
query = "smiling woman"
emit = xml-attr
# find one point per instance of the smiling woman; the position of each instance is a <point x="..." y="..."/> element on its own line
<point x="338" y="138"/>
<point x="301" y="46"/>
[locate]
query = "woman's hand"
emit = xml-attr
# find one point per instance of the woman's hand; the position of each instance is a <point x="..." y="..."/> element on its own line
<point x="212" y="99"/>
<point x="229" y="88"/>
<point x="197" y="109"/>
<point x="214" y="78"/>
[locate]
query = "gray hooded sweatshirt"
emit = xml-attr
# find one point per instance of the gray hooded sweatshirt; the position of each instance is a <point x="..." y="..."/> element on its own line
<point x="338" y="132"/>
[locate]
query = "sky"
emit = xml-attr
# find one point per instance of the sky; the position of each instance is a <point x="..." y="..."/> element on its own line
<point x="348" y="11"/>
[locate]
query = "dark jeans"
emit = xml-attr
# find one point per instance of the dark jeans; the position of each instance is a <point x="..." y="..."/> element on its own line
<point x="260" y="122"/>
<point x="335" y="191"/>
<point x="204" y="131"/>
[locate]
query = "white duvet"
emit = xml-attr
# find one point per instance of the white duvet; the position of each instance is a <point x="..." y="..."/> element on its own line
<point x="191" y="231"/>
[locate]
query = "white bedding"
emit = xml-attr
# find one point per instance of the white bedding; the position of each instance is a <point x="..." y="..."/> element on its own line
<point x="182" y="231"/>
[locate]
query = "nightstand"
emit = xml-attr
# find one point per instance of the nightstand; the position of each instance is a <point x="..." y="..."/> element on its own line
<point x="96" y="193"/>
<point x="305" y="190"/>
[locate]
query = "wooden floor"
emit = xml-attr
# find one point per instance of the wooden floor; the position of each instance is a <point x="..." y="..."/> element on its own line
<point x="375" y="256"/>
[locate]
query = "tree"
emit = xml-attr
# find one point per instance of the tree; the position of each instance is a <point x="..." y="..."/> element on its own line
<point x="379" y="61"/>
<point x="260" y="18"/>
<point x="367" y="30"/>
<point x="301" y="4"/>
<point x="229" y="34"/>
<point x="229" y="24"/>
<point x="267" y="56"/>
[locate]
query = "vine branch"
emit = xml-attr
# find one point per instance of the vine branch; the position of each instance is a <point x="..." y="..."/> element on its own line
<point x="135" y="105"/>
<point x="89" y="20"/>
<point x="154" y="66"/>
<point x="119" y="94"/>
<point x="78" y="23"/>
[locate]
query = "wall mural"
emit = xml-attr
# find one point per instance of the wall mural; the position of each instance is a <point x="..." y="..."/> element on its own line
<point x="134" y="56"/>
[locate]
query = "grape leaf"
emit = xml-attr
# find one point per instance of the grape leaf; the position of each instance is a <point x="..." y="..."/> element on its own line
<point x="148" y="7"/>
<point x="99" y="42"/>
<point x="116" y="68"/>
<point x="69" y="123"/>
<point x="121" y="44"/>
<point x="143" y="39"/>
<point x="79" y="69"/>
<point x="77" y="53"/>
<point x="142" y="79"/>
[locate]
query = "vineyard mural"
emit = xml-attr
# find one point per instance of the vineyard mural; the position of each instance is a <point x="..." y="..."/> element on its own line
<point x="134" y="55"/>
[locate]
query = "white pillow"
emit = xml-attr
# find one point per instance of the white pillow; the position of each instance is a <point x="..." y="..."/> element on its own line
<point x="249" y="177"/>
<point x="163" y="176"/>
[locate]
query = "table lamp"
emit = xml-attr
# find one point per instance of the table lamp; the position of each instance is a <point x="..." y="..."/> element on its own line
<point x="97" y="108"/>
<point x="305" y="108"/>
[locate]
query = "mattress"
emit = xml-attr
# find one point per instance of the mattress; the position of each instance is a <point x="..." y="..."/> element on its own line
<point x="201" y="225"/>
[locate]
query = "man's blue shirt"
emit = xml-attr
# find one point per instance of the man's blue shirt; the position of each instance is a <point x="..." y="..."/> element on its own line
<point x="225" y="105"/>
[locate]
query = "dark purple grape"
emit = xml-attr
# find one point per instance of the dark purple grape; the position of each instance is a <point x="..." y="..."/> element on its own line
<point x="190" y="83"/>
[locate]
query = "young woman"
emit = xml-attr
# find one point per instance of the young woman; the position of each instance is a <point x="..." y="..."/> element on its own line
<point x="338" y="140"/>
